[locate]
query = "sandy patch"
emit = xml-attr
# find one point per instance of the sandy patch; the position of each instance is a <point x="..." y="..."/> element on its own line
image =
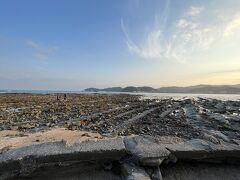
<point x="13" y="139"/>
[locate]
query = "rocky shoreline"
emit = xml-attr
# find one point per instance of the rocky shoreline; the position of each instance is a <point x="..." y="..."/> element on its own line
<point x="113" y="115"/>
<point x="124" y="135"/>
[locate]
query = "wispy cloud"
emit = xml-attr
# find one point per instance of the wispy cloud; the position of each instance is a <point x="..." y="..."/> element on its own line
<point x="189" y="36"/>
<point x="153" y="47"/>
<point x="42" y="52"/>
<point x="131" y="45"/>
<point x="33" y="44"/>
<point x="150" y="49"/>
<point x="195" y="11"/>
<point x="183" y="23"/>
<point x="233" y="26"/>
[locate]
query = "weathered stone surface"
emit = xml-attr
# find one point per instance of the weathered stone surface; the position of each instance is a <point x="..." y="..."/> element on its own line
<point x="143" y="151"/>
<point x="122" y="114"/>
<point x="105" y="147"/>
<point x="19" y="160"/>
<point x="133" y="172"/>
<point x="146" y="150"/>
<point x="198" y="149"/>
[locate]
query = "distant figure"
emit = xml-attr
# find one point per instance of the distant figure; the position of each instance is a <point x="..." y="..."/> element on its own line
<point x="57" y="98"/>
<point x="65" y="96"/>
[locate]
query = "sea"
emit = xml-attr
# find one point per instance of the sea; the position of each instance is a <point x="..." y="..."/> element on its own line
<point x="223" y="97"/>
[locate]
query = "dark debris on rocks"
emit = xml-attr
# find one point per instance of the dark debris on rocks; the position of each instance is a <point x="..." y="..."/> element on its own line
<point x="122" y="114"/>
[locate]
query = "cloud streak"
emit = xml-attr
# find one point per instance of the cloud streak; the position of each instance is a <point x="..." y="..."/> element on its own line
<point x="42" y="52"/>
<point x="195" y="11"/>
<point x="154" y="46"/>
<point x="189" y="36"/>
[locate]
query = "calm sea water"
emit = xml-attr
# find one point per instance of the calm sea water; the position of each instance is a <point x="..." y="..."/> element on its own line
<point x="224" y="97"/>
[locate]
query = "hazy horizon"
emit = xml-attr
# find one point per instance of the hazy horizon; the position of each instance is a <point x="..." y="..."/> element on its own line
<point x="82" y="89"/>
<point x="73" y="45"/>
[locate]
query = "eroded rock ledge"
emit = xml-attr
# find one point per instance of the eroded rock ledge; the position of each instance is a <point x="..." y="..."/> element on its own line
<point x="130" y="157"/>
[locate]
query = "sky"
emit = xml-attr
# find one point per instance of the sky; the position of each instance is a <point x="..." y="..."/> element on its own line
<point x="75" y="44"/>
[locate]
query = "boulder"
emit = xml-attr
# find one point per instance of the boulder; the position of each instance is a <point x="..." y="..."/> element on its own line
<point x="133" y="172"/>
<point x="146" y="150"/>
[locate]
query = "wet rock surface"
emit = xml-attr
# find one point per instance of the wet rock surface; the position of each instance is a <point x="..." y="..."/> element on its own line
<point x="122" y="114"/>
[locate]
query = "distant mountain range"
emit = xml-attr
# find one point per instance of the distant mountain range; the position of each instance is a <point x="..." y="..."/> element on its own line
<point x="198" y="89"/>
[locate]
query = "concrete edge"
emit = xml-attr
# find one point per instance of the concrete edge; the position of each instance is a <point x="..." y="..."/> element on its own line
<point x="144" y="151"/>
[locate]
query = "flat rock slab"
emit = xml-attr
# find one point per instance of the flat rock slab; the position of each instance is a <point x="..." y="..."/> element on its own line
<point x="198" y="149"/>
<point x="133" y="151"/>
<point x="146" y="150"/>
<point x="30" y="157"/>
<point x="105" y="147"/>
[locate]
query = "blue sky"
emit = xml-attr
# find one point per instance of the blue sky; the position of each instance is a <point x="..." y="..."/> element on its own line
<point x="71" y="45"/>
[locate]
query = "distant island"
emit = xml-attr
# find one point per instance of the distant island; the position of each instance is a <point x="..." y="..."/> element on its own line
<point x="198" y="89"/>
